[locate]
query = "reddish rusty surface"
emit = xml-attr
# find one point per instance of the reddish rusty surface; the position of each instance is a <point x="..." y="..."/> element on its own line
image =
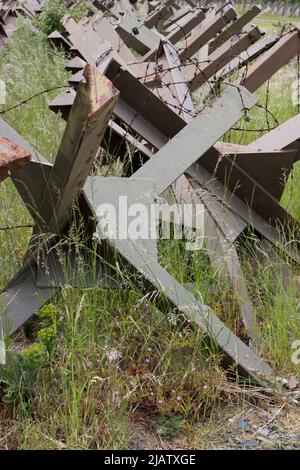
<point x="12" y="156"/>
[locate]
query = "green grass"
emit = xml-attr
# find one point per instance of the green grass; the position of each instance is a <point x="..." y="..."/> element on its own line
<point x="274" y="23"/>
<point x="268" y="21"/>
<point x="99" y="363"/>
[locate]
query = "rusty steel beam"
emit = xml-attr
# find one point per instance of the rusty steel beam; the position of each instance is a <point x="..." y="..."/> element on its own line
<point x="197" y="74"/>
<point x="234" y="174"/>
<point x="90" y="114"/>
<point x="184" y="105"/>
<point x="172" y="88"/>
<point x="12" y="156"/>
<point x="177" y="16"/>
<point x="75" y="64"/>
<point x="191" y="3"/>
<point x="59" y="41"/>
<point x="62" y="103"/>
<point x="7" y="22"/>
<point x="137" y="36"/>
<point x="246" y="57"/>
<point x="8" y="10"/>
<point x="135" y="143"/>
<point x="284" y="138"/>
<point x="185" y="26"/>
<point x="88" y="45"/>
<point x="271" y="61"/>
<point x="53" y="201"/>
<point x="107" y="6"/>
<point x="205" y="32"/>
<point x="20" y="291"/>
<point x="221" y="8"/>
<point x="254" y="162"/>
<point x="32" y="7"/>
<point x="76" y="79"/>
<point x="225" y="260"/>
<point x="70" y="25"/>
<point x="287" y="135"/>
<point x="143" y="119"/>
<point x="107" y="32"/>
<point x="90" y="40"/>
<point x="140" y="109"/>
<point x="221" y="228"/>
<point x="235" y="27"/>
<point x="161" y="13"/>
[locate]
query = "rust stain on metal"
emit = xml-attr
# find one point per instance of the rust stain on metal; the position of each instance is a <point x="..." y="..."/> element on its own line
<point x="12" y="156"/>
<point x="100" y="90"/>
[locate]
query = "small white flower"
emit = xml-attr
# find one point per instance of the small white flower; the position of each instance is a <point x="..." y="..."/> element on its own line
<point x="96" y="237"/>
<point x="96" y="379"/>
<point x="113" y="355"/>
<point x="153" y="378"/>
<point x="172" y="319"/>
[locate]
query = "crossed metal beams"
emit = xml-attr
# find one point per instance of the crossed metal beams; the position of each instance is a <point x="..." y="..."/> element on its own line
<point x="7" y="21"/>
<point x="22" y="296"/>
<point x="234" y="167"/>
<point x="49" y="192"/>
<point x="8" y="12"/>
<point x="134" y="119"/>
<point x="198" y="180"/>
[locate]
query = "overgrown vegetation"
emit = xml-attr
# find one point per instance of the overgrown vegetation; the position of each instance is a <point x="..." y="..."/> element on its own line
<point x="54" y="10"/>
<point x="96" y="364"/>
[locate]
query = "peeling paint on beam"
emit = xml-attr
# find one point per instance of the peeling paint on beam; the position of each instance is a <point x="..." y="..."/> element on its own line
<point x="12" y="156"/>
<point x="271" y="61"/>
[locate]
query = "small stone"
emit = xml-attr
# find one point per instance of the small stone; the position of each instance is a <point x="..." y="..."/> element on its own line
<point x="275" y="411"/>
<point x="264" y="431"/>
<point x="250" y="443"/>
<point x="293" y="383"/>
<point x="267" y="444"/>
<point x="242" y="423"/>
